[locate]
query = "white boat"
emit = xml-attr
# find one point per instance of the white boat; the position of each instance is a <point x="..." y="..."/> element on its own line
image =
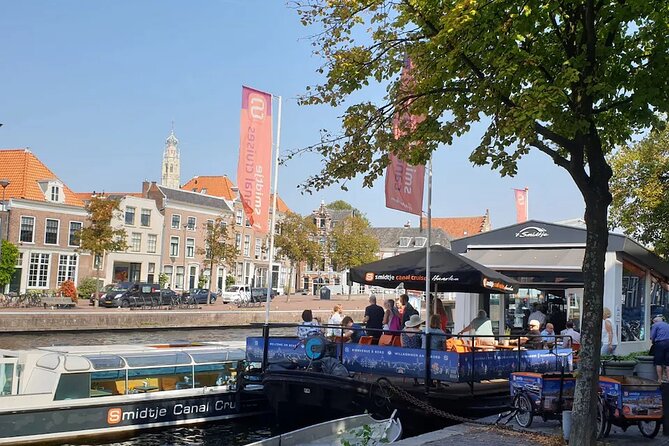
<point x="55" y="393"/>
<point x="349" y="431"/>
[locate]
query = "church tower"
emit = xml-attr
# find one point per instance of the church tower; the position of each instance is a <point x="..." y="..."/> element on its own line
<point x="171" y="175"/>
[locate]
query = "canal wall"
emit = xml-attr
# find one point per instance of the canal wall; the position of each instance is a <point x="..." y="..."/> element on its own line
<point x="111" y="319"/>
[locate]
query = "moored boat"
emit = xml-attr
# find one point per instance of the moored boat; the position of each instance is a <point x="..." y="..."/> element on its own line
<point x="56" y="393"/>
<point x="354" y="430"/>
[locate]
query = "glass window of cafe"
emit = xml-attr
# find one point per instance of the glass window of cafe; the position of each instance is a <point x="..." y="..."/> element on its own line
<point x="659" y="297"/>
<point x="557" y="307"/>
<point x="633" y="317"/>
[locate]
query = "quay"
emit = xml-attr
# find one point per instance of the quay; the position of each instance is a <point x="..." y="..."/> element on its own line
<point x="541" y="433"/>
<point x="84" y="317"/>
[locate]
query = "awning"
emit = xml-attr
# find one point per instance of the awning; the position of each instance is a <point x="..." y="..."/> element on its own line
<point x="566" y="259"/>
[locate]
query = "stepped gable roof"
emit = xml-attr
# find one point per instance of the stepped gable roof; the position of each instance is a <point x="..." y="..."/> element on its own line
<point x="25" y="171"/>
<point x="458" y="227"/>
<point x="221" y="186"/>
<point x="389" y="238"/>
<point x="199" y="199"/>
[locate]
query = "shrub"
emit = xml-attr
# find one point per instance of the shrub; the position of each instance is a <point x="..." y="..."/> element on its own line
<point x="86" y="287"/>
<point x="68" y="289"/>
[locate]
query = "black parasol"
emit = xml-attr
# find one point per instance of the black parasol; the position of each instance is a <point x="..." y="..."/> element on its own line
<point x="449" y="272"/>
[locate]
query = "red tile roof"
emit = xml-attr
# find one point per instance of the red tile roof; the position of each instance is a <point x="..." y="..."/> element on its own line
<point x="221" y="186"/>
<point x="458" y="227"/>
<point x="24" y="172"/>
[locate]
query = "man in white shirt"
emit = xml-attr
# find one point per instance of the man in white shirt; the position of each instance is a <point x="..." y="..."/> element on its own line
<point x="537" y="315"/>
<point x="569" y="331"/>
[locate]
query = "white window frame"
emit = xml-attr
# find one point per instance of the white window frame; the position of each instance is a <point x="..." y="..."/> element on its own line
<point x="188" y="225"/>
<point x="69" y="233"/>
<point x="151" y="243"/>
<point x="239" y="218"/>
<point x="32" y="240"/>
<point x="172" y="221"/>
<point x="142" y="213"/>
<point x="238" y="241"/>
<point x="190" y="247"/>
<point x="247" y="245"/>
<point x="420" y="242"/>
<point x="178" y="239"/>
<point x="136" y="242"/>
<point x="42" y="270"/>
<point x="46" y="224"/>
<point x="55" y="193"/>
<point x="258" y="248"/>
<point x="125" y="215"/>
<point x="405" y="242"/>
<point x="67" y="268"/>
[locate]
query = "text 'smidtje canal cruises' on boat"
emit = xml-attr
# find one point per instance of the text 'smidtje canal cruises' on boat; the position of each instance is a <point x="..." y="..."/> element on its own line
<point x="55" y="393"/>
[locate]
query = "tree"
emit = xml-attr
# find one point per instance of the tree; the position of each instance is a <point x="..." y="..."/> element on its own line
<point x="571" y="79"/>
<point x="352" y="244"/>
<point x="297" y="241"/>
<point x="219" y="248"/>
<point x="341" y="205"/>
<point x="9" y="254"/>
<point x="99" y="237"/>
<point x="640" y="189"/>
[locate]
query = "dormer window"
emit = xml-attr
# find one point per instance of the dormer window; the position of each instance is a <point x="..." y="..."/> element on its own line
<point x="404" y="242"/>
<point x="420" y="241"/>
<point x="53" y="191"/>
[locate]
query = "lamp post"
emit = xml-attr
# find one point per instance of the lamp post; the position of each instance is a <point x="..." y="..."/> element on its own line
<point x="4" y="183"/>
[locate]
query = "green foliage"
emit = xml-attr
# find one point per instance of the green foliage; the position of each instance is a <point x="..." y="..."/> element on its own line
<point x="99" y="237"/>
<point x="340" y="205"/>
<point x="297" y="240"/>
<point x="8" y="258"/>
<point x="229" y="280"/>
<point x="219" y="248"/>
<point x="640" y="189"/>
<point x="352" y="243"/>
<point x="162" y="279"/>
<point x="87" y="286"/>
<point x="201" y="281"/>
<point x="363" y="437"/>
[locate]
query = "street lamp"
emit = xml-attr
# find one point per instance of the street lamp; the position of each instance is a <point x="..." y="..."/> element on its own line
<point x="4" y="183"/>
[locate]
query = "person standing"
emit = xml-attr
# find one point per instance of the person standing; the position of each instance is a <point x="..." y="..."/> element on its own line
<point x="537" y="314"/>
<point x="609" y="338"/>
<point x="391" y="317"/>
<point x="659" y="335"/>
<point x="374" y="318"/>
<point x="409" y="310"/>
<point x="481" y="326"/>
<point x="335" y="319"/>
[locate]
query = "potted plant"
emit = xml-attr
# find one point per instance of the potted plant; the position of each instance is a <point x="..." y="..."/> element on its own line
<point x="645" y="367"/>
<point x="617" y="366"/>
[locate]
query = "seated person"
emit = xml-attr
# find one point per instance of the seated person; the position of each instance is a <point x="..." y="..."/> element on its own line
<point x="438" y="335"/>
<point x="411" y="337"/>
<point x="548" y="334"/>
<point x="354" y="331"/>
<point x="309" y="327"/>
<point x="574" y="336"/>
<point x="532" y="339"/>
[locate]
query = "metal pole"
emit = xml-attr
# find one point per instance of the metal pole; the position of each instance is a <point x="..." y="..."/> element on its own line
<point x="427" y="274"/>
<point x="273" y="223"/>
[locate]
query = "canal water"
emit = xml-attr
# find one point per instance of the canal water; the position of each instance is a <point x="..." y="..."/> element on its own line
<point x="224" y="433"/>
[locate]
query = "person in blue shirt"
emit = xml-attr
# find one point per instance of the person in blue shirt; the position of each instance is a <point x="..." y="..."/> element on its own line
<point x="438" y="337"/>
<point x="354" y="331"/>
<point x="659" y="335"/>
<point x="548" y="334"/>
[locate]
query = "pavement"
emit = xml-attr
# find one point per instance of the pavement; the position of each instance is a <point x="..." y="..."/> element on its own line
<point x="475" y="435"/>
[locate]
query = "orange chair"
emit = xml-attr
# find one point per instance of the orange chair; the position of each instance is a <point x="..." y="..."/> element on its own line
<point x="457" y="345"/>
<point x="397" y="341"/>
<point x="366" y="340"/>
<point x="386" y="339"/>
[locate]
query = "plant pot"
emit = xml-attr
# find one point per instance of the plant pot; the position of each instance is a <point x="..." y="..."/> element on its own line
<point x="645" y="368"/>
<point x="615" y="367"/>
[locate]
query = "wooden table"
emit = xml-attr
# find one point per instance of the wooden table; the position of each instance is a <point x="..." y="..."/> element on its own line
<point x="144" y="389"/>
<point x="100" y="392"/>
<point x="509" y="347"/>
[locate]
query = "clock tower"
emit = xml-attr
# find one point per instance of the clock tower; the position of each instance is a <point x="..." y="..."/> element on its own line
<point x="171" y="174"/>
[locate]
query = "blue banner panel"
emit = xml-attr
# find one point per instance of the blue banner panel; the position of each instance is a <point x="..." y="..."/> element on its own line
<point x="410" y="363"/>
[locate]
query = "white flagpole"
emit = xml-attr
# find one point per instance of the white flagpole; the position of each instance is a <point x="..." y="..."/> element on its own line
<point x="273" y="223"/>
<point x="429" y="243"/>
<point x="527" y="204"/>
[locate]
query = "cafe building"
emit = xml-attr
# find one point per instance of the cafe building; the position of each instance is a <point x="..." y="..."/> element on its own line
<point x="546" y="259"/>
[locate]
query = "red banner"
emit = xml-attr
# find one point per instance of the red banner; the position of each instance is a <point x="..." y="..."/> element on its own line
<point x="521" y="205"/>
<point x="255" y="157"/>
<point x="404" y="182"/>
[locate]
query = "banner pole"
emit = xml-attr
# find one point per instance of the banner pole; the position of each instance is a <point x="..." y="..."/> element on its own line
<point x="426" y="347"/>
<point x="527" y="204"/>
<point x="273" y="223"/>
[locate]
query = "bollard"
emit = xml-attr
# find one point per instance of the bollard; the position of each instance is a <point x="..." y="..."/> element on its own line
<point x="566" y="424"/>
<point x="664" y="387"/>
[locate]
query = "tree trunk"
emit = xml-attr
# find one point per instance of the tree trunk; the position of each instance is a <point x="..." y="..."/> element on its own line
<point x="597" y="198"/>
<point x="97" y="282"/>
<point x="292" y="277"/>
<point x="211" y="278"/>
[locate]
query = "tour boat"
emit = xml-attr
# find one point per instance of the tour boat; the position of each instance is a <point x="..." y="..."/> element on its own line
<point x="354" y="430"/>
<point x="51" y="394"/>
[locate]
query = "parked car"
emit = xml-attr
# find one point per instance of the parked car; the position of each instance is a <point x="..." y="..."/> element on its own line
<point x="260" y="294"/>
<point x="236" y="294"/>
<point x="135" y="294"/>
<point x="199" y="296"/>
<point x="103" y="292"/>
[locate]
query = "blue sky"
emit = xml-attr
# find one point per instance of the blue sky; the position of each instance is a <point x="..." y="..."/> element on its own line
<point x="92" y="89"/>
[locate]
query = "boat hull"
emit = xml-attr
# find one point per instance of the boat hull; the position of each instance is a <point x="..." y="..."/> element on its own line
<point x="73" y="419"/>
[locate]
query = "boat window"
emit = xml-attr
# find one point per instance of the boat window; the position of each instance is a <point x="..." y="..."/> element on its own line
<point x="6" y="379"/>
<point x="153" y="359"/>
<point x="108" y="382"/>
<point x="159" y="378"/>
<point x="49" y="361"/>
<point x="210" y="356"/>
<point x="76" y="364"/>
<point x="105" y="362"/>
<point x="208" y="375"/>
<point x="72" y="386"/>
